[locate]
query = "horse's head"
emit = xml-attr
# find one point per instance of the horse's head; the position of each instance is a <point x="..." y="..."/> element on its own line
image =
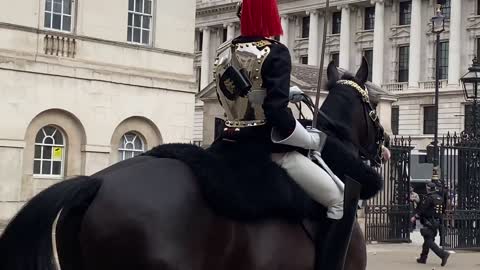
<point x="352" y="109"/>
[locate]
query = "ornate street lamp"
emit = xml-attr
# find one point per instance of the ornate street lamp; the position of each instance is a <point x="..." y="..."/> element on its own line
<point x="438" y="26"/>
<point x="470" y="83"/>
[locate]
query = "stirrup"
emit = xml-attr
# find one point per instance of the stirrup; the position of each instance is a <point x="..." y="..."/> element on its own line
<point x="332" y="254"/>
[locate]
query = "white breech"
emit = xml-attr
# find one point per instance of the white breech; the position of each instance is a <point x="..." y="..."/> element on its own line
<point x="314" y="180"/>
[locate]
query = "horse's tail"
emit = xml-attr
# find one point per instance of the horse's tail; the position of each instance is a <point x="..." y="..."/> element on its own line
<point x="26" y="243"/>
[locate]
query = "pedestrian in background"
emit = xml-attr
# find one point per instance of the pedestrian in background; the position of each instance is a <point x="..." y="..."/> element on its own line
<point x="430" y="219"/>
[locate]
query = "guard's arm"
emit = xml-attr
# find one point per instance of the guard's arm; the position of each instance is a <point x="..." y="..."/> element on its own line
<point x="276" y="79"/>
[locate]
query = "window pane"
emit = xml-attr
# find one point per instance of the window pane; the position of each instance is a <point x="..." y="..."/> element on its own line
<point x="38" y="151"/>
<point x="128" y="155"/>
<point x="148" y="7"/>
<point x="369" y="18"/>
<point x="429" y="120"/>
<point x="46" y="167"/>
<point x="405" y="12"/>
<point x="67" y="7"/>
<point x="305" y="27"/>
<point x="48" y="5"/>
<point x="395" y="120"/>
<point x="403" y="61"/>
<point x="47" y="152"/>
<point x="57" y="6"/>
<point x="57" y="167"/>
<point x="145" y="37"/>
<point x="49" y="130"/>
<point x="130" y="19"/>
<point x="445" y="7"/>
<point x="129" y="146"/>
<point x="130" y="137"/>
<point x="66" y="23"/>
<point x="130" y="5"/>
<point x="58" y="137"/>
<point x="129" y="34"/>
<point x="136" y="35"/>
<point x="39" y="137"/>
<point x="304" y="60"/>
<point x="136" y="20"/>
<point x="443" y="61"/>
<point x="48" y="18"/>
<point x="139" y="6"/>
<point x="56" y="21"/>
<point x="146" y="22"/>
<point x="36" y="167"/>
<point x="336" y="22"/>
<point x="48" y="140"/>
<point x="138" y="144"/>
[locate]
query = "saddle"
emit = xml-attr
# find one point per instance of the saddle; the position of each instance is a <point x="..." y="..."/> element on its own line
<point x="241" y="182"/>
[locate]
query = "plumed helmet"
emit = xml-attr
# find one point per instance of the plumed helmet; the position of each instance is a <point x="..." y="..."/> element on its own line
<point x="259" y="18"/>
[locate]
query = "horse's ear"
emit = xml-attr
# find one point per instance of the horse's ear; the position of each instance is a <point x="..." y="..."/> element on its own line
<point x="332" y="72"/>
<point x="362" y="73"/>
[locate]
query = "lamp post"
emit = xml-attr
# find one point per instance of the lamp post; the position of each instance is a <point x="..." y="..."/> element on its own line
<point x="438" y="26"/>
<point x="470" y="82"/>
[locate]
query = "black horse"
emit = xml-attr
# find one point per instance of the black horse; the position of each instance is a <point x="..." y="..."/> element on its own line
<point x="168" y="209"/>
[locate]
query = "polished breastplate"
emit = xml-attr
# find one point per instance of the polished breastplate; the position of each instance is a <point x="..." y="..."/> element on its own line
<point x="242" y="108"/>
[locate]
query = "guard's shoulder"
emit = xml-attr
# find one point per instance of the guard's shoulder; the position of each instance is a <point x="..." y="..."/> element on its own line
<point x="275" y="43"/>
<point x="278" y="49"/>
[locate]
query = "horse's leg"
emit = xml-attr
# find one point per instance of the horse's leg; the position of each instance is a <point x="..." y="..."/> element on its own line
<point x="357" y="252"/>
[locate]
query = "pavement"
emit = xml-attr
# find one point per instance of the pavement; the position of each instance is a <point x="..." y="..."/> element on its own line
<point x="403" y="257"/>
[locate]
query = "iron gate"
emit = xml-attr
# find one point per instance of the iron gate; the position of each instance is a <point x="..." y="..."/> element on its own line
<point x="460" y="164"/>
<point x="387" y="215"/>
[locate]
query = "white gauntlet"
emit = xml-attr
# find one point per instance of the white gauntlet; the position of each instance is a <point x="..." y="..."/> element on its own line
<point x="311" y="139"/>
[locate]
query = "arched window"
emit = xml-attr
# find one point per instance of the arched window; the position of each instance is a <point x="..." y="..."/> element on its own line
<point x="49" y="152"/>
<point x="131" y="145"/>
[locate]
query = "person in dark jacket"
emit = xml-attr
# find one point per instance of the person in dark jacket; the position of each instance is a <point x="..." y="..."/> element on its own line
<point x="429" y="218"/>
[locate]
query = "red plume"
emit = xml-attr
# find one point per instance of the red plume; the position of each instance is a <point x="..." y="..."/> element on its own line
<point x="260" y="18"/>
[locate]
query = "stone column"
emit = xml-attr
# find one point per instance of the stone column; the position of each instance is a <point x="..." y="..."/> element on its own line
<point x="415" y="56"/>
<point x="285" y="26"/>
<point x="230" y="31"/>
<point x="313" y="38"/>
<point x="378" y="42"/>
<point x="205" y="74"/>
<point x="345" y="38"/>
<point x="455" y="50"/>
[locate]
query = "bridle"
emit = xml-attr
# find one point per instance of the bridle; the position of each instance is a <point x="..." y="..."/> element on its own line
<point x="370" y="113"/>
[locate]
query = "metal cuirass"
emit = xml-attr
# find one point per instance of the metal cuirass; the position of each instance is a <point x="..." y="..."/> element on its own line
<point x="243" y="107"/>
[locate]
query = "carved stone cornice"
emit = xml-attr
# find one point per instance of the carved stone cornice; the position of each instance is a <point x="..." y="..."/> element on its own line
<point x="215" y="10"/>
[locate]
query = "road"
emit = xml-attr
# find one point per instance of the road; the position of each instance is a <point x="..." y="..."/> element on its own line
<point x="403" y="257"/>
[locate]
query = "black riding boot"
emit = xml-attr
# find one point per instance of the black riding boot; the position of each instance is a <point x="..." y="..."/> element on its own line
<point x="332" y="241"/>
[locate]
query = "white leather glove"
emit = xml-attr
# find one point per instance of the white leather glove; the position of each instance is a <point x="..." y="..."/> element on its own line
<point x="310" y="139"/>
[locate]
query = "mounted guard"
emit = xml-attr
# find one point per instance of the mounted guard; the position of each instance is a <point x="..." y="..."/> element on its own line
<point x="252" y="74"/>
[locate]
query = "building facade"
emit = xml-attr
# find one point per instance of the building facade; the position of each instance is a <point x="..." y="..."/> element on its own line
<point x="85" y="84"/>
<point x="395" y="37"/>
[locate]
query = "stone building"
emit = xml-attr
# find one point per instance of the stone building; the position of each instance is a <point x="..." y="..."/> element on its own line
<point x="85" y="84"/>
<point x="394" y="35"/>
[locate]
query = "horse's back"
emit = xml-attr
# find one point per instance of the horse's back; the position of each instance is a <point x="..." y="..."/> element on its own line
<point x="148" y="214"/>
